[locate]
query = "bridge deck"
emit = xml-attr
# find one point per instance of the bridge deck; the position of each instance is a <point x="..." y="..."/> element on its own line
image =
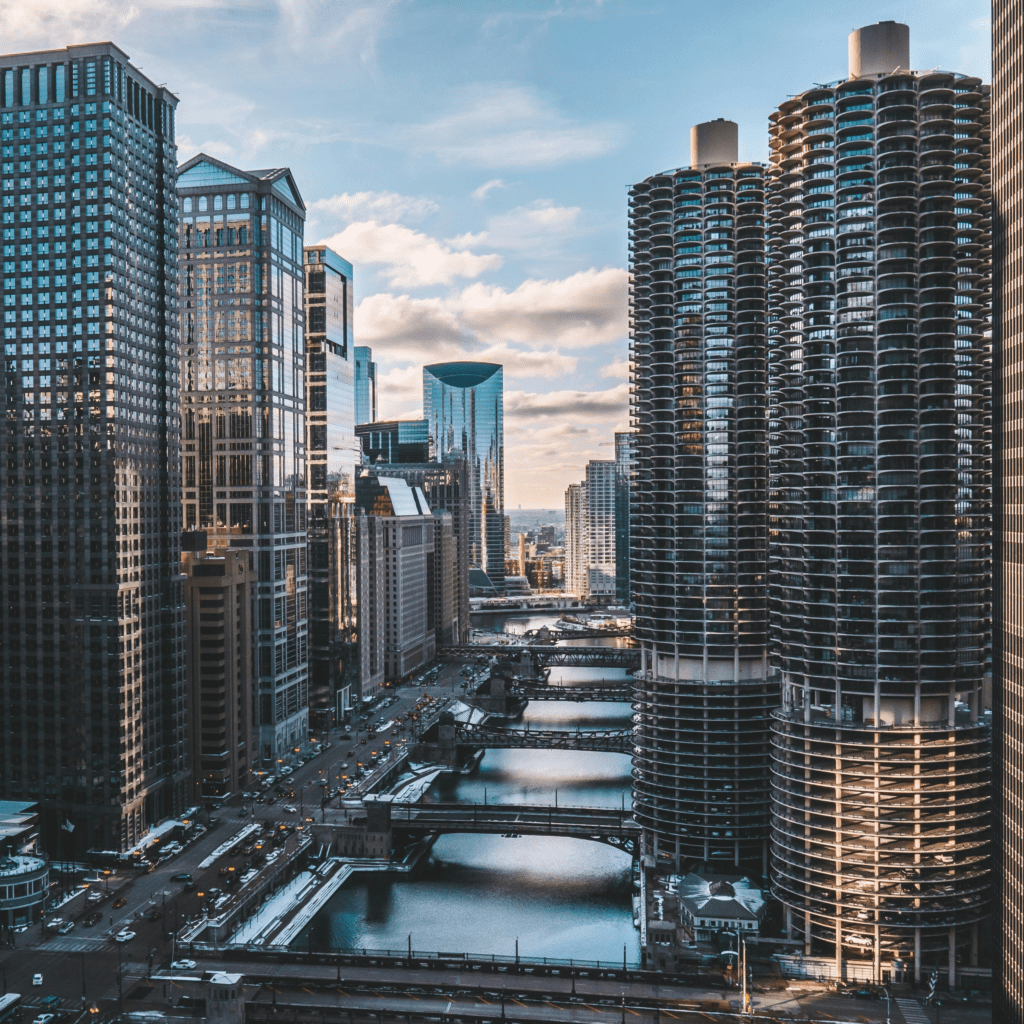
<point x="575" y="657"/>
<point x="610" y="740"/>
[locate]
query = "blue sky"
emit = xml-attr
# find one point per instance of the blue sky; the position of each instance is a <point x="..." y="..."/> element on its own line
<point x="472" y="158"/>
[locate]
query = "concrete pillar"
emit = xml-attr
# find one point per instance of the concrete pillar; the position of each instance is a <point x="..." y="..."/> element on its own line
<point x="807" y="933"/>
<point x="917" y="956"/>
<point x="789" y="921"/>
<point x="877" y="957"/>
<point x="839" y="948"/>
<point x="974" y="944"/>
<point x="952" y="958"/>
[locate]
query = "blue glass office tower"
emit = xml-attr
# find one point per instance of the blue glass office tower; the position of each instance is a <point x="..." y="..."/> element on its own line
<point x="366" y="385"/>
<point x="243" y="401"/>
<point x="463" y="404"/>
<point x="332" y="454"/>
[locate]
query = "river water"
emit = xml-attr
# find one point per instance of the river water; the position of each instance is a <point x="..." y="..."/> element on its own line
<point x="479" y="894"/>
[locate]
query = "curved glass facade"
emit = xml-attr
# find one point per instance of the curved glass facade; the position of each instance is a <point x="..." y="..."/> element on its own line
<point x="463" y="404"/>
<point x="878" y="515"/>
<point x="697" y="546"/>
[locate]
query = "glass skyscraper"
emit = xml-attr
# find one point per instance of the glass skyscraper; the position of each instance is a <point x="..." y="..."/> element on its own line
<point x="366" y="386"/>
<point x="697" y="561"/>
<point x="463" y="404"/>
<point x="878" y="517"/>
<point x="243" y="397"/>
<point x="92" y="671"/>
<point x="332" y="454"/>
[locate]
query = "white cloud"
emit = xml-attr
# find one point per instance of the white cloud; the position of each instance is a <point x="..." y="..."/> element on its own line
<point x="510" y="127"/>
<point x="410" y="258"/>
<point x="571" y="405"/>
<point x="384" y="206"/>
<point x="488" y="186"/>
<point x="618" y="370"/>
<point x="540" y="227"/>
<point x="585" y="309"/>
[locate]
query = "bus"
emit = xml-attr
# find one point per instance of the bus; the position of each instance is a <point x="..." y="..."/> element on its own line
<point x="10" y="1005"/>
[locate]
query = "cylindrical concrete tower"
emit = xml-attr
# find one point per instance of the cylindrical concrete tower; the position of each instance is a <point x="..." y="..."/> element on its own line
<point x="878" y="513"/>
<point x="879" y="49"/>
<point x="714" y="142"/>
<point x="703" y="699"/>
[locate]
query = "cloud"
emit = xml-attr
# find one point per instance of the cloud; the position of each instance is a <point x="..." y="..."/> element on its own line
<point x="573" y="405"/>
<point x="619" y="370"/>
<point x="381" y="206"/>
<point x="410" y="258"/>
<point x="585" y="309"/>
<point x="506" y="126"/>
<point x="541" y="226"/>
<point x="487" y="186"/>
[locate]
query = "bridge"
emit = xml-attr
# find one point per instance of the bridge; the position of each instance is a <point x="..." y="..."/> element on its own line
<point x="612" y="690"/>
<point x="615" y="741"/>
<point x="546" y="635"/>
<point x="542" y="656"/>
<point x="601" y="824"/>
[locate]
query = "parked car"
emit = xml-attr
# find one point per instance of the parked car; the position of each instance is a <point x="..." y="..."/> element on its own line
<point x="287" y="770"/>
<point x="44" y="1018"/>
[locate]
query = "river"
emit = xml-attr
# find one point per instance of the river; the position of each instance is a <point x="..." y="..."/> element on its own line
<point x="479" y="894"/>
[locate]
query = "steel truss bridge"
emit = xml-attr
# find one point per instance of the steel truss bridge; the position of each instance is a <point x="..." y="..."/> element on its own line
<point x="587" y="691"/>
<point x="542" y="656"/>
<point x="616" y="741"/>
<point x="600" y="824"/>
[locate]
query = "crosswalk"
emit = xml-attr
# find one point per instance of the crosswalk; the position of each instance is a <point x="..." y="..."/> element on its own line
<point x="75" y="944"/>
<point x="913" y="1012"/>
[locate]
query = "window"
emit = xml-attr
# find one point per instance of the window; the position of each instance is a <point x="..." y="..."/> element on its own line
<point x="231" y="202"/>
<point x="186" y="205"/>
<point x="202" y="204"/>
<point x="245" y="201"/>
<point x="218" y="202"/>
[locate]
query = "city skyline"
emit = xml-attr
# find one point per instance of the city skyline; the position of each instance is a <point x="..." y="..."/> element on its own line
<point x="501" y="163"/>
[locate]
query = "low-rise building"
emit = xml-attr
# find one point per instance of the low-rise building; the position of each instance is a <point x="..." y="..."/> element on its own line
<point x="720" y="903"/>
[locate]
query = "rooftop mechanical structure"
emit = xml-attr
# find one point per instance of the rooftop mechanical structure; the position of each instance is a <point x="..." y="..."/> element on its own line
<point x="878" y="357"/>
<point x="703" y="700"/>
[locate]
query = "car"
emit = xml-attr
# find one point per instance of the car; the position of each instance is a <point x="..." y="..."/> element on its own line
<point x="154" y="915"/>
<point x="291" y="809"/>
<point x="300" y="764"/>
<point x="91" y="920"/>
<point x="183" y="877"/>
<point x="120" y="902"/>
<point x="37" y="979"/>
<point x="65" y="927"/>
<point x="44" y="1018"/>
<point x="244" y="812"/>
<point x="189" y="886"/>
<point x="184" y="965"/>
<point x="286" y="770"/>
<point x="124" y="936"/>
<point x="95" y="897"/>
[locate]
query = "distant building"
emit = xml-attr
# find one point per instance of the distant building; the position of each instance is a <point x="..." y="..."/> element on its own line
<point x="366" y="386"/>
<point x="398" y="514"/>
<point x="464" y="406"/>
<point x="590" y="533"/>
<point x="393" y="441"/>
<point x="624" y="469"/>
<point x="332" y="453"/>
<point x="446" y="486"/>
<point x="220" y="592"/>
<point x="719" y="903"/>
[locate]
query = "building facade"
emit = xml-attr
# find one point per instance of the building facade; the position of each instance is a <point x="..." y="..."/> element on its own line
<point x="393" y="441"/>
<point x="575" y="540"/>
<point x="398" y="514"/>
<point x="624" y="467"/>
<point x="1007" y="499"/>
<point x="590" y="533"/>
<point x="332" y="455"/>
<point x="463" y="404"/>
<point x="878" y="217"/>
<point x="243" y="396"/>
<point x="697" y="560"/>
<point x="366" y="385"/>
<point x="220" y="601"/>
<point x="93" y="671"/>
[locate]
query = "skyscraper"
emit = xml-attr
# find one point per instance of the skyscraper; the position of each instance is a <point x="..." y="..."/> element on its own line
<point x="463" y="404"/>
<point x="878" y="509"/>
<point x="366" y="386"/>
<point x="590" y="530"/>
<point x="93" y="670"/>
<point x="1007" y="498"/>
<point x="332" y="454"/>
<point x="244" y="409"/>
<point x="698" y="538"/>
<point x="393" y="441"/>
<point x="574" y="573"/>
<point x="624" y="469"/>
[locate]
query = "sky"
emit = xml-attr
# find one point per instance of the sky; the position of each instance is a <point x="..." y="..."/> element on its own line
<point x="472" y="158"/>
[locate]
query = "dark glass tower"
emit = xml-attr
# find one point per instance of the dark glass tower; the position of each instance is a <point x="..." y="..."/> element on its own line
<point x="878" y="214"/>
<point x="93" y="670"/>
<point x="243" y="397"/>
<point x="463" y="404"/>
<point x="697" y="559"/>
<point x="1008" y="497"/>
